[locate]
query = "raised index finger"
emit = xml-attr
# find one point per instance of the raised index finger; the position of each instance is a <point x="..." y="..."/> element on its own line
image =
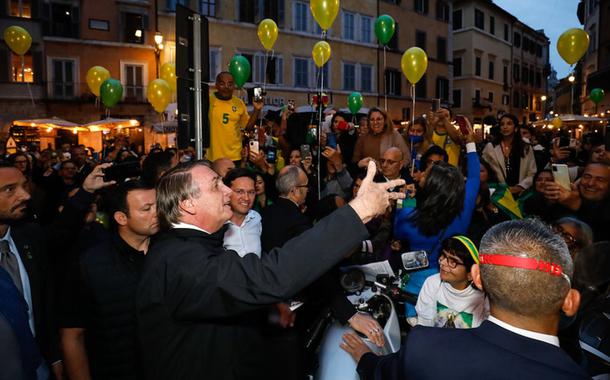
<point x="370" y="173"/>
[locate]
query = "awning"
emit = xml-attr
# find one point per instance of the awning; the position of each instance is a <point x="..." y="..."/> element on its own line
<point x="111" y="123"/>
<point x="53" y="122"/>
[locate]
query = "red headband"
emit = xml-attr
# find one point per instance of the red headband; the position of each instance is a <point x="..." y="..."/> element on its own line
<point x="522" y="263"/>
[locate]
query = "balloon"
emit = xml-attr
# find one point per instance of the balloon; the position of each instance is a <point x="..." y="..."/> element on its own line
<point x="556" y="122"/>
<point x="354" y="102"/>
<point x="159" y="94"/>
<point x="596" y="95"/>
<point x="95" y="77"/>
<point x="168" y="74"/>
<point x="572" y="45"/>
<point x="111" y="91"/>
<point x="414" y="63"/>
<point x="18" y="39"/>
<point x="240" y="69"/>
<point x="320" y="53"/>
<point x="267" y="33"/>
<point x="384" y="28"/>
<point x="324" y="12"/>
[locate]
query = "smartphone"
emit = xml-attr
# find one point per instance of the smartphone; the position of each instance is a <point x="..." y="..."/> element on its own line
<point x="436" y="105"/>
<point x="121" y="171"/>
<point x="462" y="124"/>
<point x="291" y="104"/>
<point x="253" y="144"/>
<point x="415" y="260"/>
<point x="305" y="151"/>
<point x="561" y="175"/>
<point x="331" y="140"/>
<point x="271" y="154"/>
<point x="257" y="94"/>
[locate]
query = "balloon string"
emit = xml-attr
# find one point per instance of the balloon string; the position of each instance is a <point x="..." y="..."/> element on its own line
<point x="385" y="90"/>
<point x="320" y="112"/>
<point x="26" y="83"/>
<point x="412" y="122"/>
<point x="265" y="73"/>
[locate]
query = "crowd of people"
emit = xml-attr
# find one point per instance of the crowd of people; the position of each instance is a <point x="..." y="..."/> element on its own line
<point x="171" y="267"/>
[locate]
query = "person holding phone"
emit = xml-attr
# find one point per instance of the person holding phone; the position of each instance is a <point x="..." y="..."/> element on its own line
<point x="511" y="159"/>
<point x="444" y="134"/>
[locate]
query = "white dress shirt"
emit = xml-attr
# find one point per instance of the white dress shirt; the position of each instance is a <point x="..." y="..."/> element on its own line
<point x="246" y="238"/>
<point x="550" y="339"/>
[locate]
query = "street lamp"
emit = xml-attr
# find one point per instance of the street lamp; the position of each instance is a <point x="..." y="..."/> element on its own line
<point x="571" y="79"/>
<point x="158" y="48"/>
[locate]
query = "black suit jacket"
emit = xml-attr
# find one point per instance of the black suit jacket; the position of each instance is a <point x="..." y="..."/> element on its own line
<point x="281" y="222"/>
<point x="486" y="352"/>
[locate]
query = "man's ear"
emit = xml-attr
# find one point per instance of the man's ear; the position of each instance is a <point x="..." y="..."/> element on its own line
<point x="475" y="273"/>
<point x="120" y="217"/>
<point x="188" y="206"/>
<point x="571" y="303"/>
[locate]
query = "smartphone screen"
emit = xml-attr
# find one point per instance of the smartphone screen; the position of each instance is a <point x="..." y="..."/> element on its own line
<point x="461" y="121"/>
<point x="561" y="175"/>
<point x="305" y="151"/>
<point x="436" y="105"/>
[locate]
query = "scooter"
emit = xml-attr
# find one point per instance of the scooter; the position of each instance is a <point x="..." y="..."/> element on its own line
<point x="376" y="294"/>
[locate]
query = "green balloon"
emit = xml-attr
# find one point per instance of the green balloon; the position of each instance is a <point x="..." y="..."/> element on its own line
<point x="354" y="102"/>
<point x="240" y="69"/>
<point x="111" y="91"/>
<point x="384" y="28"/>
<point x="596" y="95"/>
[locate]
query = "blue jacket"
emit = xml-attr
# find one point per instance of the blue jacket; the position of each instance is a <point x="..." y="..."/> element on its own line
<point x="405" y="229"/>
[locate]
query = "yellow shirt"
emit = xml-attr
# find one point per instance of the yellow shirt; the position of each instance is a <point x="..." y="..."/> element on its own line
<point x="450" y="146"/>
<point x="227" y="117"/>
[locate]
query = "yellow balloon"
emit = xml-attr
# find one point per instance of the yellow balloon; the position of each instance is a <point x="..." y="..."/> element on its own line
<point x="267" y="33"/>
<point x="556" y="122"/>
<point x="159" y="94"/>
<point x="95" y="77"/>
<point x="572" y="45"/>
<point x="324" y="12"/>
<point x="414" y="63"/>
<point x="321" y="53"/>
<point x="168" y="74"/>
<point x="18" y="39"/>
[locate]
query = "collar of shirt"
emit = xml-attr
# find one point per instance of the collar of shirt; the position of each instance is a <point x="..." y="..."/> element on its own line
<point x="189" y="226"/>
<point x="251" y="215"/>
<point x="550" y="339"/>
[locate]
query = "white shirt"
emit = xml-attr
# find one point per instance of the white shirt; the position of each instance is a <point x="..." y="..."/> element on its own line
<point x="189" y="226"/>
<point x="246" y="238"/>
<point x="550" y="339"/>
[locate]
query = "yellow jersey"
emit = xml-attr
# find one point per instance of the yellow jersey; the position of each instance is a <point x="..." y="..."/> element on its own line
<point x="227" y="118"/>
<point x="450" y="146"/>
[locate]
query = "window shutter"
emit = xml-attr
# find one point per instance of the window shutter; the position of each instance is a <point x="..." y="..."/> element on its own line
<point x="4" y="66"/>
<point x="37" y="66"/>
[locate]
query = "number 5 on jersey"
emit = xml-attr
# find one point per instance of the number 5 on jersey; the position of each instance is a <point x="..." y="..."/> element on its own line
<point x="225" y="118"/>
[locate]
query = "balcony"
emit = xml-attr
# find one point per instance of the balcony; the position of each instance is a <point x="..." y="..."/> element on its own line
<point x="17" y="90"/>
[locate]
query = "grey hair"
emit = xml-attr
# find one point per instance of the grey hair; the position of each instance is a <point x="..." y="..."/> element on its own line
<point x="175" y="186"/>
<point x="524" y="291"/>
<point x="287" y="179"/>
<point x="585" y="232"/>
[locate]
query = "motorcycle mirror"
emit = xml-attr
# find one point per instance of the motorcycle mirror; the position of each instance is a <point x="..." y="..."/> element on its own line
<point x="353" y="281"/>
<point x="414" y="260"/>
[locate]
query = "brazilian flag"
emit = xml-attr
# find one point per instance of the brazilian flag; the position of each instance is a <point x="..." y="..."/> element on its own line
<point x="503" y="199"/>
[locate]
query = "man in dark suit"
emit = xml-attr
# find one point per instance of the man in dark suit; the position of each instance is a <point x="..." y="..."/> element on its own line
<point x="525" y="269"/>
<point x="24" y="247"/>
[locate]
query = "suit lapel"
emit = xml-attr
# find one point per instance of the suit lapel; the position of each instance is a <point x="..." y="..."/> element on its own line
<point x="25" y="251"/>
<point x="500" y="159"/>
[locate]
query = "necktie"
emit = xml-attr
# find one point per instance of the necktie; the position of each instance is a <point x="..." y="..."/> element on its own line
<point x="8" y="261"/>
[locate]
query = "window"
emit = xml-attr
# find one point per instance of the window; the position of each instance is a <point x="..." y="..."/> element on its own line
<point x="215" y="58"/>
<point x="457" y="19"/>
<point x="506" y="34"/>
<point x="516" y="99"/>
<point x="19" y="73"/>
<point x="365" y="28"/>
<point x="441" y="49"/>
<point x="457" y="98"/>
<point x="526" y="43"/>
<point x="538" y="79"/>
<point x="348" y="26"/>
<point x="133" y="27"/>
<point x="490" y="97"/>
<point x="322" y="78"/>
<point x="421" y="6"/>
<point x="457" y="66"/>
<point x="134" y="82"/>
<point x="442" y="89"/>
<point x="505" y="100"/>
<point x="491" y="70"/>
<point x="275" y="70"/>
<point x="170" y="5"/>
<point x="442" y="11"/>
<point x="61" y="20"/>
<point x="393" y="81"/>
<point x="301" y="72"/>
<point x="349" y="76"/>
<point x="516" y="70"/>
<point x="505" y="75"/>
<point x="247" y="10"/>
<point x="420" y="39"/>
<point x="300" y="16"/>
<point x="524" y="72"/>
<point x="62" y="78"/>
<point x="532" y="76"/>
<point x="479" y="19"/>
<point x="21" y="8"/>
<point x="96" y="24"/>
<point x="207" y="8"/>
<point x="517" y="39"/>
<point x="421" y="88"/>
<point x="539" y="50"/>
<point x="477" y="96"/>
<point x="593" y="38"/>
<point x="366" y="78"/>
<point x="250" y="58"/>
<point x="259" y="73"/>
<point x="393" y="43"/>
<point x="477" y="66"/>
<point x="492" y="25"/>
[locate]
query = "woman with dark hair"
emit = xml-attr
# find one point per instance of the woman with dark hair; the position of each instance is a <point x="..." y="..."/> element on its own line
<point x="419" y="140"/>
<point x="511" y="159"/>
<point x="380" y="138"/>
<point x="444" y="206"/>
<point x="448" y="298"/>
<point x="533" y="202"/>
<point x="345" y="135"/>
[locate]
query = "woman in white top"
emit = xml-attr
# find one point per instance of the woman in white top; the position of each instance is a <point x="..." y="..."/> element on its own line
<point x="448" y="299"/>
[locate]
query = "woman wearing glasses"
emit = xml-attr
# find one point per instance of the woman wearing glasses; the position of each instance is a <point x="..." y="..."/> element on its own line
<point x="448" y="299"/>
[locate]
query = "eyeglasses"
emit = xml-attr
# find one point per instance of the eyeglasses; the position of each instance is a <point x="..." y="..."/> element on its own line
<point x="451" y="262"/>
<point x="570" y="240"/>
<point x="383" y="161"/>
<point x="242" y="192"/>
